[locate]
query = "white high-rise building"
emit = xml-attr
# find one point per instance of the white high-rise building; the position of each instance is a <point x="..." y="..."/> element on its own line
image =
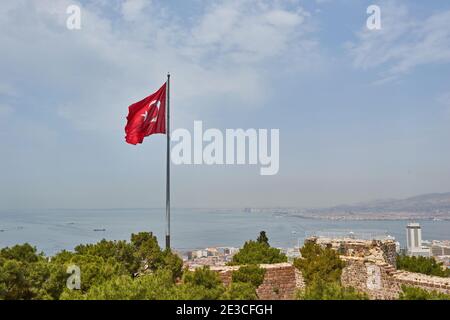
<point x="413" y="236"/>
<point x="414" y="241"/>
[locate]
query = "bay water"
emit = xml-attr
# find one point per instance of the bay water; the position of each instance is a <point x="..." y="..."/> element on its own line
<point x="57" y="229"/>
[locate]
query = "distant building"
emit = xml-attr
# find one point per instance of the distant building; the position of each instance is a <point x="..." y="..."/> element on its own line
<point x="227" y="251"/>
<point x="440" y="248"/>
<point x="414" y="245"/>
<point x="214" y="256"/>
<point x="291" y="253"/>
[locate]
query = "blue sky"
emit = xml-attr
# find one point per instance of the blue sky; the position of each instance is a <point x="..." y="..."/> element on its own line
<point x="362" y="114"/>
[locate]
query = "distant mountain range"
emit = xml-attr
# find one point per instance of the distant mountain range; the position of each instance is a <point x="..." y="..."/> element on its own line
<point x="428" y="206"/>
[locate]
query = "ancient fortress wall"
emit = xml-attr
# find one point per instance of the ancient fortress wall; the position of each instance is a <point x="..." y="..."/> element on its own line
<point x="280" y="281"/>
<point x="370" y="268"/>
<point x="383" y="281"/>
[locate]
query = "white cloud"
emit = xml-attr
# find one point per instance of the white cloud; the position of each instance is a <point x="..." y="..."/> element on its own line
<point x="131" y="9"/>
<point x="93" y="74"/>
<point x="241" y="32"/>
<point x="403" y="43"/>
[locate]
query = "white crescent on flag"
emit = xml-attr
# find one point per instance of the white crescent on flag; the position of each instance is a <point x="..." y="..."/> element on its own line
<point x="145" y="114"/>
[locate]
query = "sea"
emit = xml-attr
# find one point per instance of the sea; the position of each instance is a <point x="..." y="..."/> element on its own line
<point x="53" y="230"/>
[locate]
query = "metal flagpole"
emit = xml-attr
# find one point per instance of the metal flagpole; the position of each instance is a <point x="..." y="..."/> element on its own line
<point x="168" y="163"/>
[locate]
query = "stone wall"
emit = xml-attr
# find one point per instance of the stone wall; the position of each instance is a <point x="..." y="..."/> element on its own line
<point x="375" y="279"/>
<point x="281" y="280"/>
<point x="375" y="250"/>
<point x="379" y="280"/>
<point x="383" y="281"/>
<point x="370" y="268"/>
<point x="389" y="250"/>
<point x="429" y="283"/>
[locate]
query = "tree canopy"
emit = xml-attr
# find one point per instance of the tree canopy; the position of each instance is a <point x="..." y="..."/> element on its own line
<point x="321" y="269"/>
<point x="319" y="263"/>
<point x="258" y="252"/>
<point x="27" y="274"/>
<point x="414" y="293"/>
<point x="425" y="265"/>
<point x="139" y="269"/>
<point x="323" y="290"/>
<point x="244" y="283"/>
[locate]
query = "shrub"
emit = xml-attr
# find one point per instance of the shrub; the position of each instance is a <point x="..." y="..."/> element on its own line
<point x="27" y="274"/>
<point x="257" y="252"/>
<point x="121" y="251"/>
<point x="322" y="268"/>
<point x="319" y="263"/>
<point x="201" y="284"/>
<point x="251" y="274"/>
<point x="322" y="290"/>
<point x="240" y="291"/>
<point x="414" y="293"/>
<point x="262" y="238"/>
<point x="156" y="286"/>
<point x="425" y="265"/>
<point x="244" y="283"/>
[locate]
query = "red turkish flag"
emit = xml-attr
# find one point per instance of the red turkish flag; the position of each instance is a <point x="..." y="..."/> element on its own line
<point x="146" y="117"/>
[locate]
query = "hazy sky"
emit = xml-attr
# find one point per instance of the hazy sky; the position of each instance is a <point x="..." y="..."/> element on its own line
<point x="362" y="114"/>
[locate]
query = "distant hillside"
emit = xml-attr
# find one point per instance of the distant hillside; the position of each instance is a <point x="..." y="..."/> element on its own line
<point x="428" y="206"/>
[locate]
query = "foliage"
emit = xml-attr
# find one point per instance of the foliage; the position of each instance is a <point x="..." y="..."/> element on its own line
<point x="13" y="277"/>
<point x="148" y="250"/>
<point x="257" y="252"/>
<point x="171" y="262"/>
<point x="143" y="250"/>
<point x="244" y="283"/>
<point x="322" y="268"/>
<point x="262" y="238"/>
<point x="319" y="263"/>
<point x="22" y="253"/>
<point x="47" y="280"/>
<point x="204" y="284"/>
<point x="322" y="290"/>
<point x="156" y="286"/>
<point x="251" y="274"/>
<point x="26" y="274"/>
<point x="425" y="265"/>
<point x="414" y="293"/>
<point x="121" y="251"/>
<point x="201" y="284"/>
<point x="94" y="269"/>
<point x="240" y="291"/>
<point x="139" y="269"/>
